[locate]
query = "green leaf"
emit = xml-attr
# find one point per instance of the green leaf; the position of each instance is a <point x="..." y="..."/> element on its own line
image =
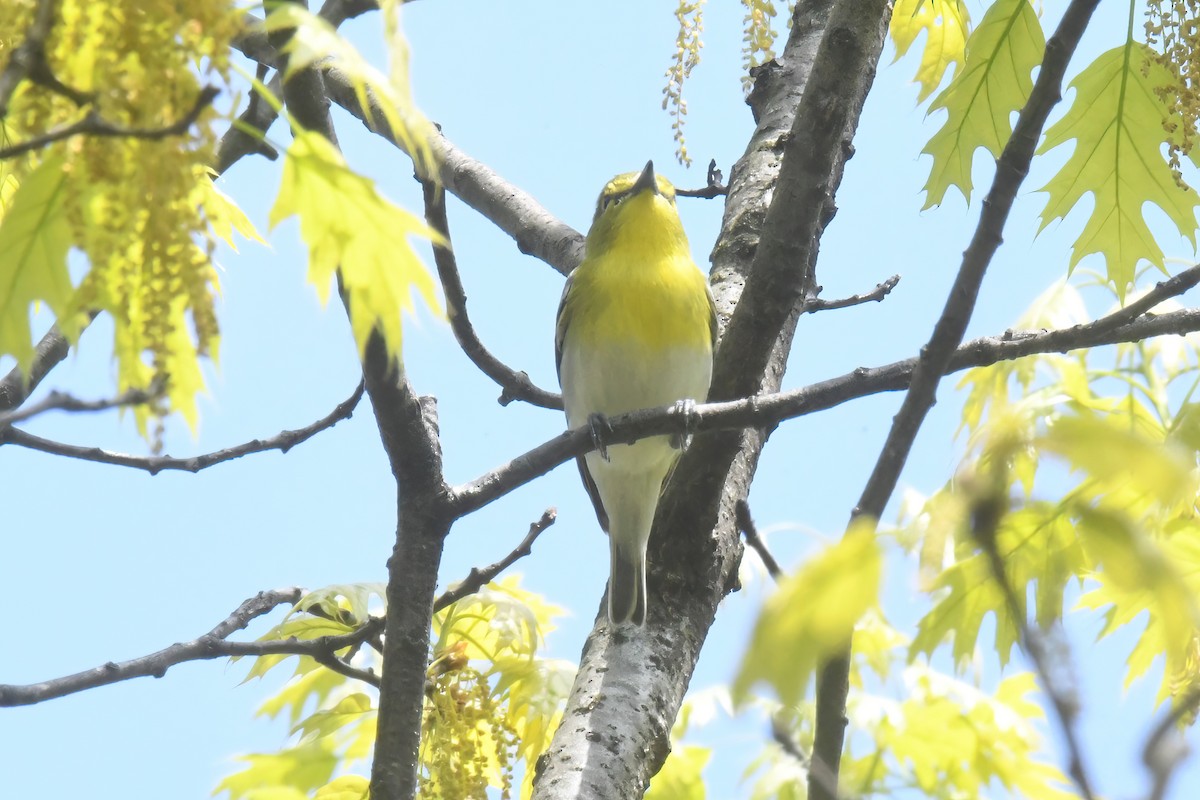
<point x="315" y="683"/>
<point x="314" y="39"/>
<point x="1141" y="576"/>
<point x="995" y="81"/>
<point x="1109" y="452"/>
<point x="350" y="710"/>
<point x="225" y="216"/>
<point x="347" y="787"/>
<point x="1039" y="545"/>
<point x="290" y="772"/>
<point x="811" y="616"/>
<point x="945" y="24"/>
<point x="34" y="238"/>
<point x="348" y="225"/>
<point x="955" y="740"/>
<point x="1116" y="121"/>
<point x="682" y="774"/>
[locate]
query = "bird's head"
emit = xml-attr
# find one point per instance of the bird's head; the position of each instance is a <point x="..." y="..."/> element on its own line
<point x="635" y="206"/>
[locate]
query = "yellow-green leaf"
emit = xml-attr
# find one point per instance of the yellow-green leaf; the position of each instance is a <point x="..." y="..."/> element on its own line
<point x="1116" y="123"/>
<point x="34" y="238"/>
<point x="945" y="24"/>
<point x="313" y="39"/>
<point x="347" y="787"/>
<point x="682" y="774"/>
<point x="1109" y="452"/>
<point x="1140" y="576"/>
<point x="225" y="216"/>
<point x="288" y="773"/>
<point x="994" y="82"/>
<point x="348" y="225"/>
<point x="811" y="616"/>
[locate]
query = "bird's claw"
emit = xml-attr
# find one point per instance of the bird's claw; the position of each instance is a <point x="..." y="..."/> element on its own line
<point x="601" y="429"/>
<point x="687" y="409"/>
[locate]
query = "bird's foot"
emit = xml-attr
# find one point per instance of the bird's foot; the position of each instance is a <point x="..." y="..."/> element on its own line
<point x="687" y="409"/>
<point x="601" y="430"/>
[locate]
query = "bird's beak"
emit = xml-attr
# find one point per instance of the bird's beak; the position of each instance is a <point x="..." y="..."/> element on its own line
<point x="646" y="180"/>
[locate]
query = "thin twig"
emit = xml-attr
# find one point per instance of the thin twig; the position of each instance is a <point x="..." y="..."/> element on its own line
<point x="93" y="125"/>
<point x="156" y="664"/>
<point x="283" y="441"/>
<point x="326" y="658"/>
<point x="515" y="385"/>
<point x="60" y="401"/>
<point x="985" y="522"/>
<point x="1164" y="750"/>
<point x="478" y="578"/>
<point x="1163" y="290"/>
<point x="745" y="523"/>
<point x="714" y="188"/>
<point x="816" y="769"/>
<point x="247" y="134"/>
<point x="29" y="57"/>
<point x="882" y="290"/>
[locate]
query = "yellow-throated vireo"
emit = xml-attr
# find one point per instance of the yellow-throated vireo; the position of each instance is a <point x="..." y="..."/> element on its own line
<point x="636" y="328"/>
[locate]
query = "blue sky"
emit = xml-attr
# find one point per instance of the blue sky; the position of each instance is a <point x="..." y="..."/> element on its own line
<point x="103" y="563"/>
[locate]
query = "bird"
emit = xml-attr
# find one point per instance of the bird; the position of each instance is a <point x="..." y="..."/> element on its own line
<point x="636" y="328"/>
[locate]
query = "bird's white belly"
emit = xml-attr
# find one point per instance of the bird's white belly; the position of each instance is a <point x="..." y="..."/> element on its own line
<point x="617" y="377"/>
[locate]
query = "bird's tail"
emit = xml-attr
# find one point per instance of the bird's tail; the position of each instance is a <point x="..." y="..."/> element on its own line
<point x="627" y="584"/>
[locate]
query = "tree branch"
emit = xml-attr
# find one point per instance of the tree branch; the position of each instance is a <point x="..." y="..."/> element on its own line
<point x="745" y="523"/>
<point x="29" y="58"/>
<point x="211" y="645"/>
<point x="1164" y="749"/>
<point x="881" y="290"/>
<point x="768" y="410"/>
<point x="536" y="231"/>
<point x="936" y="356"/>
<point x="282" y="441"/>
<point x="93" y="125"/>
<point x="478" y="578"/>
<point x="714" y="187"/>
<point x="408" y="431"/>
<point x="515" y="385"/>
<point x="59" y="401"/>
<point x="986" y="515"/>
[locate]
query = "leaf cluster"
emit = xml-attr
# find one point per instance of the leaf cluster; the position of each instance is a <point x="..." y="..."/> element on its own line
<point x="492" y="701"/>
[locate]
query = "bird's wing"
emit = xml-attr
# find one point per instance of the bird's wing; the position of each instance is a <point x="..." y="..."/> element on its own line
<point x="712" y="317"/>
<point x="560" y="325"/>
<point x="593" y="493"/>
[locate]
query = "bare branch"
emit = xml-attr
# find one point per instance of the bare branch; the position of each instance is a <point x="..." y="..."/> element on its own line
<point x="816" y="770"/>
<point x="282" y="441"/>
<point x="93" y="125"/>
<point x="536" y="231"/>
<point x="478" y="578"/>
<point x="938" y="353"/>
<point x="29" y="60"/>
<point x="1053" y="668"/>
<point x="59" y="401"/>
<point x="50" y="351"/>
<point x="1163" y="290"/>
<point x="247" y="134"/>
<point x="714" y="188"/>
<point x="326" y="658"/>
<point x="882" y="290"/>
<point x="516" y="385"/>
<point x="749" y="530"/>
<point x="155" y="664"/>
<point x="1165" y="749"/>
<point x="768" y="410"/>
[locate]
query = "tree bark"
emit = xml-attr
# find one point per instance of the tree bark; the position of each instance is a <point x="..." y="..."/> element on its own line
<point x="631" y="683"/>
